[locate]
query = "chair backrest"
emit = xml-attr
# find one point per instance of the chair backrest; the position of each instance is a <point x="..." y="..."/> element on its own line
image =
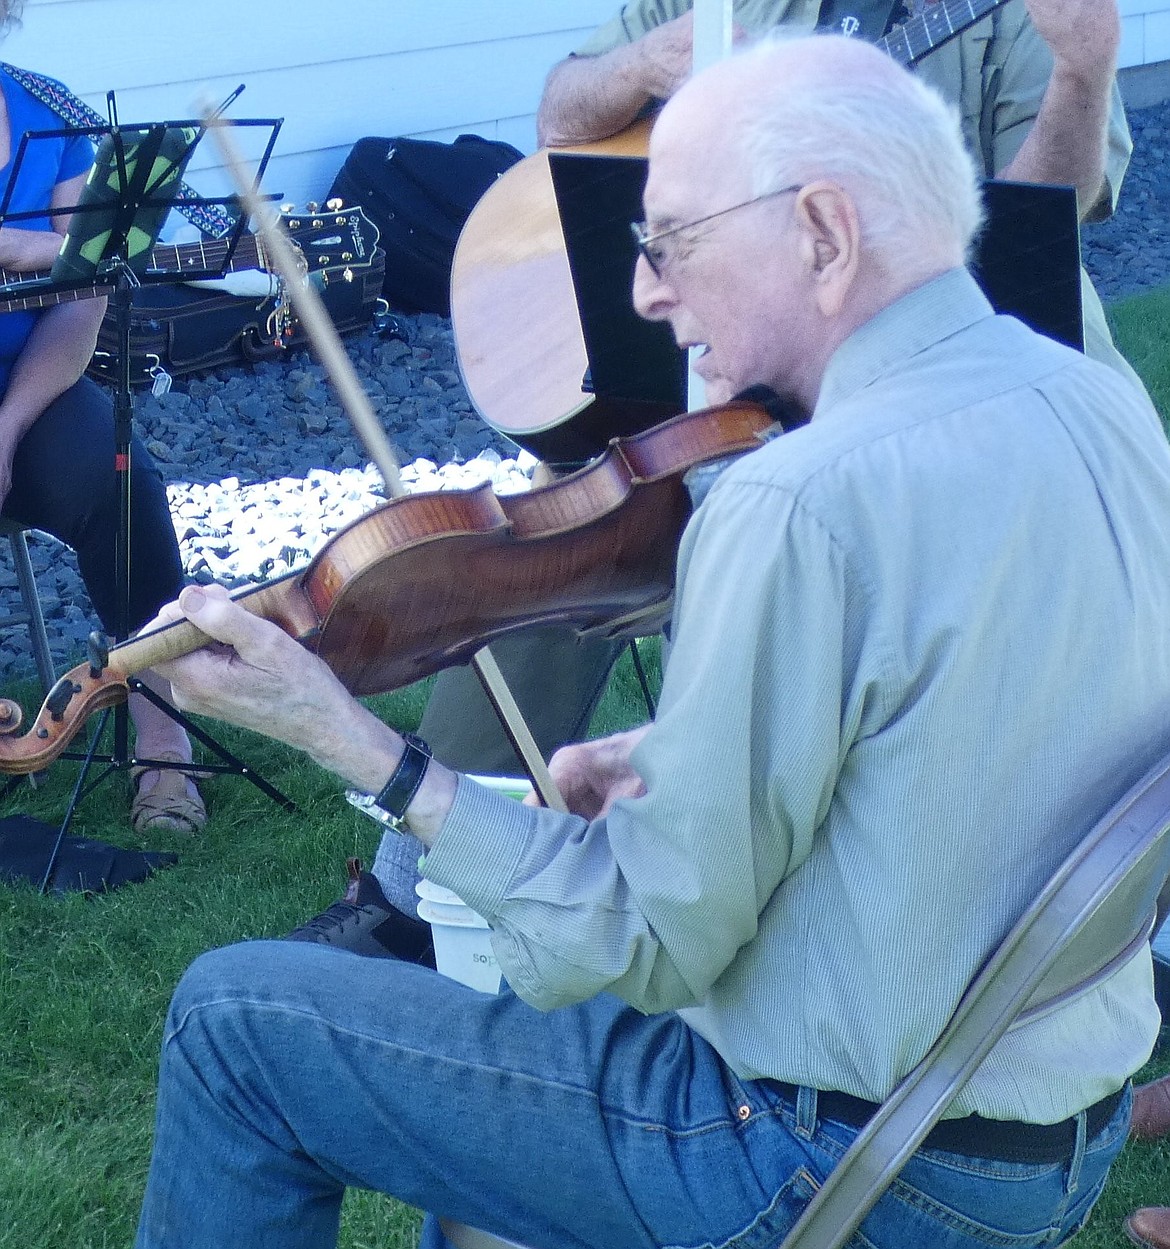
<point x="1094" y="914"/>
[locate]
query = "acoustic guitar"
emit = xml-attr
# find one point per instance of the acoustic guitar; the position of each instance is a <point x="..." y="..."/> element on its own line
<point x="531" y="361"/>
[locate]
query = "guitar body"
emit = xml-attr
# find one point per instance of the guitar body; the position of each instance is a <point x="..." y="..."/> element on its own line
<point x="514" y="308"/>
<point x="517" y="307"/>
<point x="534" y="323"/>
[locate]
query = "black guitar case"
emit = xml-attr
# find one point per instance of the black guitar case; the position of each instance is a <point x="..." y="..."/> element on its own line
<point x="185" y="329"/>
<point x="419" y="194"/>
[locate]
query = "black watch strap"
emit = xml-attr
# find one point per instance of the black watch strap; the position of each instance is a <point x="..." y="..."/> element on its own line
<point x="396" y="795"/>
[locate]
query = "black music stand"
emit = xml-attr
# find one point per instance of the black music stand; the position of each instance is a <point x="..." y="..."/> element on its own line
<point x="130" y="189"/>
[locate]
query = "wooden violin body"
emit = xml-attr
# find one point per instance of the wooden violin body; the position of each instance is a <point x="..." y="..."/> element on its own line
<point x="426" y="580"/>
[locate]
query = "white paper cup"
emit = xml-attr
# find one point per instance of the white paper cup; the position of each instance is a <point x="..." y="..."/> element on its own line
<point x="462" y="938"/>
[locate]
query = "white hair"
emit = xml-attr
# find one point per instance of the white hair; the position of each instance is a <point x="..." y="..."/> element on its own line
<point x="887" y="138"/>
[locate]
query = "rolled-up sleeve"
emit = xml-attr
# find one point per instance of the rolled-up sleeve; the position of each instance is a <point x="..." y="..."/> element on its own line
<point x="1021" y="65"/>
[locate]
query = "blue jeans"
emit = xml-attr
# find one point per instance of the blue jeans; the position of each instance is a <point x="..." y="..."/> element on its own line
<point x="291" y="1070"/>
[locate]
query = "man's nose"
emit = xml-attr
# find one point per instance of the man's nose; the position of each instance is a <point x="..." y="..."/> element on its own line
<point x="653" y="297"/>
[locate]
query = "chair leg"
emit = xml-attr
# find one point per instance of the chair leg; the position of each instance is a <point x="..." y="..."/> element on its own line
<point x="36" y="621"/>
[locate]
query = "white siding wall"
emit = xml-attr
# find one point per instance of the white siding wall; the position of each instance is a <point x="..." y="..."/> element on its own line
<point x="333" y="71"/>
<point x="337" y="71"/>
<point x="1145" y="31"/>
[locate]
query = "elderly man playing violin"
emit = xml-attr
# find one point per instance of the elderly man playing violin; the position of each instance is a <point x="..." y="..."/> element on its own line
<point x="910" y="669"/>
<point x="1034" y="83"/>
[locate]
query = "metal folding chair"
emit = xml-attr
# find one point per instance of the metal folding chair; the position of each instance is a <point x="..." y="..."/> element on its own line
<point x="30" y="613"/>
<point x="1094" y="914"/>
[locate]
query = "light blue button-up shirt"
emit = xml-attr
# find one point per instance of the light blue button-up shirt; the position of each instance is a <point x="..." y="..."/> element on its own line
<point x="919" y="648"/>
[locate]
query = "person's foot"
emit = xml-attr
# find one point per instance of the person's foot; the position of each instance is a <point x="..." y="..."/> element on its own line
<point x="1151" y="1110"/>
<point x="364" y="922"/>
<point x="165" y="799"/>
<point x="1150" y="1227"/>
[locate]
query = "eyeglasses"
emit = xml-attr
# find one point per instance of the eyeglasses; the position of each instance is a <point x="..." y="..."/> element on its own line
<point x="658" y="257"/>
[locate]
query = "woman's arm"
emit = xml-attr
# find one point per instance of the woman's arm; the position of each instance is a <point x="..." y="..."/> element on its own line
<point x="23" y="250"/>
<point x="59" y="347"/>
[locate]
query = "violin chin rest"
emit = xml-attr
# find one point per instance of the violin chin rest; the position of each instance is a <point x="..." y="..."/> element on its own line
<point x="11" y="716"/>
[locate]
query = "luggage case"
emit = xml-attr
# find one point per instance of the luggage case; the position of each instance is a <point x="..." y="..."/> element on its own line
<point x="419" y="193"/>
<point x="179" y="329"/>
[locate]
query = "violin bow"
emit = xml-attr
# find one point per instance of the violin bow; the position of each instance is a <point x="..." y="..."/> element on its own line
<point x="331" y="353"/>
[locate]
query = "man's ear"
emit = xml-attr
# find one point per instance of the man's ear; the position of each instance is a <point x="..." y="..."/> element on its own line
<point x="831" y="242"/>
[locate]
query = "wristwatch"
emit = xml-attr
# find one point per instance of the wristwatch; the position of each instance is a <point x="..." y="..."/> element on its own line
<point x="399" y="791"/>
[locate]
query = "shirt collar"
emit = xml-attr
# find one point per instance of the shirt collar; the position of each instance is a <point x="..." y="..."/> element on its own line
<point x="918" y="320"/>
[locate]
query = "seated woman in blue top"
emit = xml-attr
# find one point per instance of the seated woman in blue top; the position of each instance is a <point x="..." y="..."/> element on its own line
<point x="57" y="439"/>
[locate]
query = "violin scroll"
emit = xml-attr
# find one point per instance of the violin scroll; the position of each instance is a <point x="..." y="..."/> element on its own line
<point x="75" y="697"/>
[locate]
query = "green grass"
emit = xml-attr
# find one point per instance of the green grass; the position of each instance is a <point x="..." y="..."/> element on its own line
<point x="1140" y="328"/>
<point x="84" y="984"/>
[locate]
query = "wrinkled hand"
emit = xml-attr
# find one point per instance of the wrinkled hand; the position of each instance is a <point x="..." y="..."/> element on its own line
<point x="253" y="674"/>
<point x="666" y="53"/>
<point x="593" y="775"/>
<point x="1084" y="35"/>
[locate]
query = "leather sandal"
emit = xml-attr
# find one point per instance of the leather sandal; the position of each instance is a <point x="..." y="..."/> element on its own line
<point x="168" y="806"/>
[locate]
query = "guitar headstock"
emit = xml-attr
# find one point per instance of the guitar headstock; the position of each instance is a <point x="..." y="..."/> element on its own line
<point x="331" y="236"/>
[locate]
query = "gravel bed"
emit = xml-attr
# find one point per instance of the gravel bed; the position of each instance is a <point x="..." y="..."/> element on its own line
<point x="262" y="466"/>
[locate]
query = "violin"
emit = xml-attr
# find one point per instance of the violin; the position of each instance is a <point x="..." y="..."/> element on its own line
<point x="426" y="580"/>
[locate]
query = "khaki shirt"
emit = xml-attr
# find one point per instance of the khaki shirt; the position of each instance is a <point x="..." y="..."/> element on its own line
<point x="995" y="73"/>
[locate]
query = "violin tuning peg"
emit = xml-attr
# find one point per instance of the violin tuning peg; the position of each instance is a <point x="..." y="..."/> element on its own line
<point x="98" y="648"/>
<point x="60" y="696"/>
<point x="10" y="716"/>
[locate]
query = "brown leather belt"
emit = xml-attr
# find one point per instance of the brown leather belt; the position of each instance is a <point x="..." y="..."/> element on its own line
<point x="1005" y="1139"/>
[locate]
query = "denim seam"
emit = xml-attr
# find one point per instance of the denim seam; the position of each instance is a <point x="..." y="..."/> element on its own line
<point x="235" y="1002"/>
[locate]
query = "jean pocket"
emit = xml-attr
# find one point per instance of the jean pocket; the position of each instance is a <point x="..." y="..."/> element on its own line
<point x="973" y="1209"/>
<point x="769" y="1228"/>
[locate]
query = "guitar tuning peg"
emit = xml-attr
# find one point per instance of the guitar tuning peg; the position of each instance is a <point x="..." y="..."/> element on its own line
<point x="335" y="204"/>
<point x="312" y="206"/>
<point x="287" y="208"/>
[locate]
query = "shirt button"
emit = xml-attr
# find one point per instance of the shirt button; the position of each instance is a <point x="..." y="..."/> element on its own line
<point x="744" y="1112"/>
